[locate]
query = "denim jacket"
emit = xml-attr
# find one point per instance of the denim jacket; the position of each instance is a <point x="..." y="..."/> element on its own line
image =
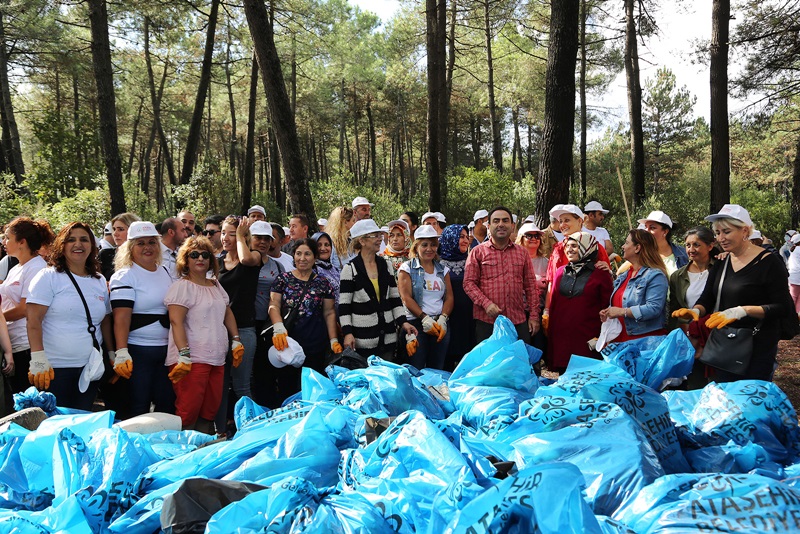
<point x="681" y="257"/>
<point x="646" y="296"/>
<point x="418" y="278"/>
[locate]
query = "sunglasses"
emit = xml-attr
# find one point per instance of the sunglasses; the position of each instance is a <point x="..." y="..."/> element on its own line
<point x="210" y="233"/>
<point x="533" y="236"/>
<point x="196" y="254"/>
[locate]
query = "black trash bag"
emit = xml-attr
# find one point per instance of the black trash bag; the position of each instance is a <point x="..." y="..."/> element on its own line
<point x="197" y="499"/>
<point x="348" y="358"/>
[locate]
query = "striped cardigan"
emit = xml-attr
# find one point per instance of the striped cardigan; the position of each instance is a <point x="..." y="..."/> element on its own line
<point x="373" y="323"/>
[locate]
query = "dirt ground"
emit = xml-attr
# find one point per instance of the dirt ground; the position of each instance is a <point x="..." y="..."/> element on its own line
<point x="787" y="376"/>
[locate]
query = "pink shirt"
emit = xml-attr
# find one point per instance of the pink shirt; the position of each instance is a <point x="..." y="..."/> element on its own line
<point x="204" y="323"/>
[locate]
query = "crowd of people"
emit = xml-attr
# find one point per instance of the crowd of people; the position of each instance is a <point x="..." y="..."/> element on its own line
<point x="186" y="318"/>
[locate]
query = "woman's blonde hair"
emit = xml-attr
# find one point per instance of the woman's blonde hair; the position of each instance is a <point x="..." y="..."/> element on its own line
<point x="539" y="251"/>
<point x="337" y="228"/>
<point x="123" y="259"/>
<point x="195" y="243"/>
<point x="412" y="253"/>
<point x="126" y="218"/>
<point x="648" y="255"/>
<point x="728" y="222"/>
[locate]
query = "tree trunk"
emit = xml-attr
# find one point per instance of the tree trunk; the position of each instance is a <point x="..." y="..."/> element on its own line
<point x="583" y="119"/>
<point x="357" y="165"/>
<point x="555" y="167"/>
<point x="435" y="48"/>
<point x="720" y="135"/>
<point x="497" y="140"/>
<point x="14" y="154"/>
<point x="76" y="120"/>
<point x="195" y="127"/>
<point x="372" y="142"/>
<point x="342" y="126"/>
<point x="294" y="75"/>
<point x="103" y="75"/>
<point x="796" y="185"/>
<point x="233" y="138"/>
<point x="634" y="104"/>
<point x="135" y="136"/>
<point x="474" y="128"/>
<point x="155" y="103"/>
<point x="248" y="176"/>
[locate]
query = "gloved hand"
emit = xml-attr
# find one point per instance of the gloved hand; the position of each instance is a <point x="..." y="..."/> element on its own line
<point x="336" y="347"/>
<point x="279" y="336"/>
<point x="545" y="321"/>
<point x="237" y="351"/>
<point x="442" y="322"/>
<point x="686" y="313"/>
<point x="123" y="363"/>
<point x="181" y="370"/>
<point x="40" y="372"/>
<point x="411" y="344"/>
<point x="429" y="326"/>
<point x="725" y="317"/>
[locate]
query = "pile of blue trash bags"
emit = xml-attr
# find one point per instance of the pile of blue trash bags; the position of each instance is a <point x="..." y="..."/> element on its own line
<point x="390" y="448"/>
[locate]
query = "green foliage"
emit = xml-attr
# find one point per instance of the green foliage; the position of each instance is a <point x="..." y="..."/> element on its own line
<point x="469" y="190"/>
<point x="340" y="191"/>
<point x="91" y="206"/>
<point x="12" y="203"/>
<point x="769" y="210"/>
<point x="209" y="192"/>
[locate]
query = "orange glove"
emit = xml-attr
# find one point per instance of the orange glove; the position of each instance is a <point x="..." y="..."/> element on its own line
<point x="726" y="317"/>
<point x="545" y="322"/>
<point x="431" y="327"/>
<point x="182" y="369"/>
<point x="411" y="344"/>
<point x="686" y="313"/>
<point x="442" y="322"/>
<point x="123" y="363"/>
<point x="237" y="351"/>
<point x="40" y="372"/>
<point x="336" y="347"/>
<point x="279" y="336"/>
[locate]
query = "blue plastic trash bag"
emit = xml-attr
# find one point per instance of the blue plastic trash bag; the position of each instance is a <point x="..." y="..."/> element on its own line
<point x="604" y="442"/>
<point x="316" y="387"/>
<point x="732" y="458"/>
<point x="653" y="359"/>
<point x="246" y="410"/>
<point x="33" y="398"/>
<point x="172" y="443"/>
<point x="144" y="516"/>
<point x="487" y="409"/>
<point x="743" y="411"/>
<point x="646" y="406"/>
<point x="66" y="518"/>
<point x="449" y="501"/>
<point x="547" y="498"/>
<point x="351" y="512"/>
<point x="36" y="452"/>
<point x="713" y="502"/>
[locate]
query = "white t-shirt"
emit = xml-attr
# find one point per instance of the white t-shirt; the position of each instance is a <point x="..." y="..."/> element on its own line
<point x="13" y="290"/>
<point x="599" y="233"/>
<point x="286" y="261"/>
<point x="432" y="292"/>
<point x="793" y="265"/>
<point x="144" y="291"/>
<point x="697" y="282"/>
<point x="66" y="340"/>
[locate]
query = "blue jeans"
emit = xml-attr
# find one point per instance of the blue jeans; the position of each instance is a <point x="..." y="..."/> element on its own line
<point x="241" y="375"/>
<point x="429" y="353"/>
<point x="149" y="381"/>
<point x="65" y="387"/>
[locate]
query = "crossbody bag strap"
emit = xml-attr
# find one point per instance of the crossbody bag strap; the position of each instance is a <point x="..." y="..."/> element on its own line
<point x="721" y="280"/>
<point x="91" y="328"/>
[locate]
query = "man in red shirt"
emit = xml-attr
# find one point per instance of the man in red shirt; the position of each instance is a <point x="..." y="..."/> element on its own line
<point x="497" y="275"/>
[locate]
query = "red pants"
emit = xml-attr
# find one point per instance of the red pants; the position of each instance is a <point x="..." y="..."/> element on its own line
<point x="199" y="393"/>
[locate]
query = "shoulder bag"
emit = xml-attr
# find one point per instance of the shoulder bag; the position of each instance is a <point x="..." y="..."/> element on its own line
<point x="729" y="348"/>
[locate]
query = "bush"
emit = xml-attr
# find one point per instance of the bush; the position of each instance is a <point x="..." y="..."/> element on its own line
<point x="469" y="190"/>
<point x="340" y="191"/>
<point x="91" y="206"/>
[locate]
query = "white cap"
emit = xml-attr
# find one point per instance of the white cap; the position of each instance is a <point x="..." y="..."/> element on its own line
<point x="361" y="201"/>
<point x="732" y="211"/>
<point x="364" y="227"/>
<point x="788" y="232"/>
<point x="641" y="226"/>
<point x="285" y="230"/>
<point x="514" y="217"/>
<point x="530" y="219"/>
<point x="795" y="238"/>
<point x="756" y="235"/>
<point x="425" y="231"/>
<point x="139" y="229"/>
<point x="560" y="209"/>
<point x="440" y="216"/>
<point x="107" y="229"/>
<point x="480" y="214"/>
<point x="385" y="229"/>
<point x="398" y="222"/>
<point x="261" y="228"/>
<point x="322" y="222"/>
<point x="427" y="215"/>
<point x="659" y="217"/>
<point x="471" y="225"/>
<point x="257" y="209"/>
<point x="293" y="355"/>
<point x="594" y="206"/>
<point x="528" y="227"/>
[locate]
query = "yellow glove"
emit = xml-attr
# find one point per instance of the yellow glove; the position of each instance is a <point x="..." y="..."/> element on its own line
<point x="336" y="347"/>
<point x="545" y="322"/>
<point x="411" y="344"/>
<point x="237" y="351"/>
<point x="182" y="369"/>
<point x="123" y="363"/>
<point x="686" y="313"/>
<point x="279" y="336"/>
<point x="726" y="317"/>
<point x="40" y="372"/>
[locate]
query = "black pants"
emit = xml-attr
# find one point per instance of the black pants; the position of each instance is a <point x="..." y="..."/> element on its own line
<point x="484" y="330"/>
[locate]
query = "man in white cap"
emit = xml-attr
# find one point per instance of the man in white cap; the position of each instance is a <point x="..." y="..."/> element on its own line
<point x="108" y="239"/>
<point x="594" y="214"/>
<point x="480" y="231"/>
<point x="551" y="235"/>
<point x="435" y="219"/>
<point x="257" y="213"/>
<point x="786" y="248"/>
<point x="321" y="223"/>
<point x="362" y="208"/>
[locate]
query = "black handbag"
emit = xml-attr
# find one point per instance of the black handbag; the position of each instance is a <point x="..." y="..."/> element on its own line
<point x="728" y="348"/>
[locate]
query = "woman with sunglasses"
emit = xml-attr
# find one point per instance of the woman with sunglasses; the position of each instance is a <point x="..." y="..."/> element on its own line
<point x="370" y="308"/>
<point x="530" y="238"/>
<point x="141" y="322"/>
<point x="200" y="323"/>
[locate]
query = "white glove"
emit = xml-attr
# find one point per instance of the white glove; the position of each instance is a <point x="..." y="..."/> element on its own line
<point x="442" y="322"/>
<point x="725" y="317"/>
<point x="123" y="363"/>
<point x="428" y="324"/>
<point x="278" y="328"/>
<point x="40" y="372"/>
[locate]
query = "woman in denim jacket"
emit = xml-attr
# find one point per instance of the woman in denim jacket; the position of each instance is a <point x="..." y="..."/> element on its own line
<point x="639" y="299"/>
<point x="427" y="294"/>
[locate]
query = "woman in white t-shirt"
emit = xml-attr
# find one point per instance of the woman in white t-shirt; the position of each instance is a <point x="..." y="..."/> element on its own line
<point x="64" y="349"/>
<point x="424" y="285"/>
<point x="24" y="240"/>
<point x="141" y="322"/>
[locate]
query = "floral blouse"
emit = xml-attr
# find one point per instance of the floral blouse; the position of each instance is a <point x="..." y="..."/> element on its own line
<point x="316" y="290"/>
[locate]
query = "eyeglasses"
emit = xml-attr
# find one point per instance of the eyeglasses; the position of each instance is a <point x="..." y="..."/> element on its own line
<point x="210" y="233"/>
<point x="196" y="254"/>
<point x="533" y="236"/>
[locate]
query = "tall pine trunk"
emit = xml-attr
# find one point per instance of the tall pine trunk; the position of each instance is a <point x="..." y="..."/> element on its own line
<point x="436" y="22"/>
<point x="249" y="174"/>
<point x="634" y="104"/>
<point x="582" y="89"/>
<point x="720" y="134"/>
<point x="104" y="79"/>
<point x="497" y="140"/>
<point x="14" y="152"/>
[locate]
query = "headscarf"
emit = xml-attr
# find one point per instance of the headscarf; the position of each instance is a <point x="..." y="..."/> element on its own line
<point x="588" y="247"/>
<point x="325" y="264"/>
<point x="448" y="243"/>
<point x="392" y="253"/>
